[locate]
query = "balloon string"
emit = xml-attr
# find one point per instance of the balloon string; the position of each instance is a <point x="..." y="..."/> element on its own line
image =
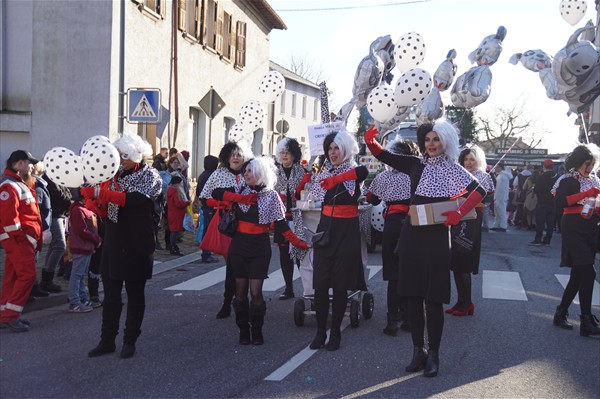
<point x="587" y="139"/>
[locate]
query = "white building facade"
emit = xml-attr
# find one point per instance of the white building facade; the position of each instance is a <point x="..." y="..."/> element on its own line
<point x="66" y="65"/>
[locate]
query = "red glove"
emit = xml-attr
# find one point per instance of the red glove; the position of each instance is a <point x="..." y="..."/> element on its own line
<point x="294" y="240"/>
<point x="453" y="217"/>
<point x="213" y="203"/>
<point x="283" y="197"/>
<point x="329" y="182"/>
<point x="370" y="141"/>
<point x="115" y="197"/>
<point x="91" y="205"/>
<point x="90" y="192"/>
<point x="247" y="199"/>
<point x="305" y="179"/>
<point x="573" y="199"/>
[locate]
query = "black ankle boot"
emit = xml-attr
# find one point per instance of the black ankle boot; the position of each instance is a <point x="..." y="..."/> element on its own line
<point x="257" y="319"/>
<point x="335" y="337"/>
<point x="418" y="360"/>
<point x="127" y="351"/>
<point x="392" y="324"/>
<point x="103" y="348"/>
<point x="319" y="341"/>
<point x="432" y="365"/>
<point x="589" y="325"/>
<point x="560" y="318"/>
<point x="47" y="284"/>
<point x="225" y="311"/>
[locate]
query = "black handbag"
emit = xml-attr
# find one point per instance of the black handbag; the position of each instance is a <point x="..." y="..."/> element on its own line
<point x="228" y="223"/>
<point x="321" y="239"/>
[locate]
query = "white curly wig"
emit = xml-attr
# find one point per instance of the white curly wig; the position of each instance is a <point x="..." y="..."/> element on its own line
<point x="345" y="141"/>
<point x="448" y="135"/>
<point x="133" y="147"/>
<point x="264" y="171"/>
<point x="478" y="154"/>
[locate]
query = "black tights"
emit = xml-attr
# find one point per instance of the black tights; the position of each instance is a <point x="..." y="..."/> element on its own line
<point x="435" y="322"/>
<point x="322" y="308"/>
<point x="287" y="266"/>
<point x="582" y="281"/>
<point x="393" y="299"/>
<point x="241" y="290"/>
<point x="463" y="289"/>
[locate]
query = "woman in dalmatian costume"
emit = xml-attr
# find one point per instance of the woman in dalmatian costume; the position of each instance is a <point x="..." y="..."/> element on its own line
<point x="393" y="187"/>
<point x="128" y="248"/>
<point x="338" y="264"/>
<point x="579" y="234"/>
<point x="229" y="174"/>
<point x="424" y="251"/>
<point x="258" y="206"/>
<point x="289" y="176"/>
<point x="464" y="263"/>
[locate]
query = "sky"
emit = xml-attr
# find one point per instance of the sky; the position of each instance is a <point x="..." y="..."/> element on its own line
<point x="337" y="40"/>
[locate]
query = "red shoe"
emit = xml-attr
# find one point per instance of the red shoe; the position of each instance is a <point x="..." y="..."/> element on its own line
<point x="450" y="310"/>
<point x="470" y="311"/>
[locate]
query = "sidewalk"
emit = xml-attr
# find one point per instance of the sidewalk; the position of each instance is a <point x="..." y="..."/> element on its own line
<point x="163" y="261"/>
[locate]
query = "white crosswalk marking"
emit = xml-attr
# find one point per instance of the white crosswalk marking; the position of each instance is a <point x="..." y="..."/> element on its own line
<point x="502" y="285"/>
<point x="563" y="279"/>
<point x="201" y="282"/>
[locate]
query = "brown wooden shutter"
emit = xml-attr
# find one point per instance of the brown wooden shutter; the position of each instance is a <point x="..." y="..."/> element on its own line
<point x="240" y="57"/>
<point x="162" y="7"/>
<point x="198" y="30"/>
<point x="182" y="20"/>
<point x="219" y="30"/>
<point x="205" y="13"/>
<point x="232" y="39"/>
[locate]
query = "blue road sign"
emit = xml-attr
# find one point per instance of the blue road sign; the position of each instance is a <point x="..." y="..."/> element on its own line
<point x="143" y="105"/>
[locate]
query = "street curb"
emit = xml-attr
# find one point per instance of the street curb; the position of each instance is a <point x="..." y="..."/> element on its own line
<point x="62" y="298"/>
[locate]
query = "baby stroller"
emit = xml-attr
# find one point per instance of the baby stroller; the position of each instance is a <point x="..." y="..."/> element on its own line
<point x="358" y="301"/>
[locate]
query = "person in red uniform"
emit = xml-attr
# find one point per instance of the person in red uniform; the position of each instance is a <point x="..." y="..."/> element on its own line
<point x="20" y="236"/>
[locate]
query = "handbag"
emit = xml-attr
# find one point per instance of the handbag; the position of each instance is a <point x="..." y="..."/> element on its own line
<point x="463" y="236"/>
<point x="213" y="240"/>
<point x="321" y="239"/>
<point x="228" y="223"/>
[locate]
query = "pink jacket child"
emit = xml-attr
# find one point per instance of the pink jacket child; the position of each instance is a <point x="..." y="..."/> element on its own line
<point x="176" y="204"/>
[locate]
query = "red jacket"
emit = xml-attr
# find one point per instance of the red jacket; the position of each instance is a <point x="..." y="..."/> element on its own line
<point x="176" y="209"/>
<point x="19" y="213"/>
<point x="83" y="230"/>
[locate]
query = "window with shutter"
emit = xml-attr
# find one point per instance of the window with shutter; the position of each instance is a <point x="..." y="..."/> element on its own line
<point x="211" y="22"/>
<point x="153" y="8"/>
<point x="293" y="104"/>
<point x="283" y="102"/>
<point x="240" y="56"/>
<point x="199" y="19"/>
<point x="219" y="30"/>
<point x="232" y="36"/>
<point x="181" y="22"/>
<point x="304" y="107"/>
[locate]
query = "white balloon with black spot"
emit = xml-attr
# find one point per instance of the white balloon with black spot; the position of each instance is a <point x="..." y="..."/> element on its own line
<point x="572" y="11"/>
<point x="237" y="132"/>
<point x="409" y="51"/>
<point x="64" y="167"/>
<point x="251" y="115"/>
<point x="377" y="220"/>
<point x="272" y="86"/>
<point x="100" y="162"/>
<point x="412" y="87"/>
<point x="381" y="103"/>
<point x="91" y="141"/>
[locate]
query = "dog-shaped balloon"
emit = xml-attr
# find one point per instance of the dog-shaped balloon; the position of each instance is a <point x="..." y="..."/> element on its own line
<point x="576" y="68"/>
<point x="474" y="86"/>
<point x="540" y="62"/>
<point x="432" y="107"/>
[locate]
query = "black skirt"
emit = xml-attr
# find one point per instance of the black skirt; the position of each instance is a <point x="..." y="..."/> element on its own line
<point x="249" y="255"/>
<point x="468" y="262"/>
<point x="339" y="264"/>
<point x="391" y="235"/>
<point x="579" y="240"/>
<point x="424" y="259"/>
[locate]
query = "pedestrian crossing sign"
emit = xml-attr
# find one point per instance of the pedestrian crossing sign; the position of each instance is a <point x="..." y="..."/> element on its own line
<point x="143" y="105"/>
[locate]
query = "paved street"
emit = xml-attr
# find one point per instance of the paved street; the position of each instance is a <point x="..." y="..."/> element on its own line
<point x="508" y="349"/>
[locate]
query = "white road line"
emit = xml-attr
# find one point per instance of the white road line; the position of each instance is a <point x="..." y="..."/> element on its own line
<point x="563" y="279"/>
<point x="306" y="353"/>
<point x="201" y="282"/>
<point x="275" y="281"/>
<point x="503" y="285"/>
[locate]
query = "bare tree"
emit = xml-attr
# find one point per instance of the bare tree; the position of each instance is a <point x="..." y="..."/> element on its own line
<point x="307" y="67"/>
<point x="506" y="126"/>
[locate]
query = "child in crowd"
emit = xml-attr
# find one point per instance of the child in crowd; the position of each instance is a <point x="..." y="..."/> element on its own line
<point x="177" y="203"/>
<point x="83" y="241"/>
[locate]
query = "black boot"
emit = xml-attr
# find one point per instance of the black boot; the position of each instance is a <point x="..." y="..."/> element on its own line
<point x="433" y="364"/>
<point x="111" y="313"/>
<point x="560" y="318"/>
<point x="37" y="292"/>
<point x="133" y="329"/>
<point x="418" y="360"/>
<point x="175" y="250"/>
<point x="589" y="325"/>
<point x="335" y="337"/>
<point x="392" y="324"/>
<point x="47" y="284"/>
<point x="257" y="319"/>
<point x="242" y="319"/>
<point x="225" y="310"/>
<point x="319" y="340"/>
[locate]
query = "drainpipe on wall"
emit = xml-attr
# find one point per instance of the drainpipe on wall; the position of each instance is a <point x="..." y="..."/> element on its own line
<point x="121" y="113"/>
<point x="175" y="91"/>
